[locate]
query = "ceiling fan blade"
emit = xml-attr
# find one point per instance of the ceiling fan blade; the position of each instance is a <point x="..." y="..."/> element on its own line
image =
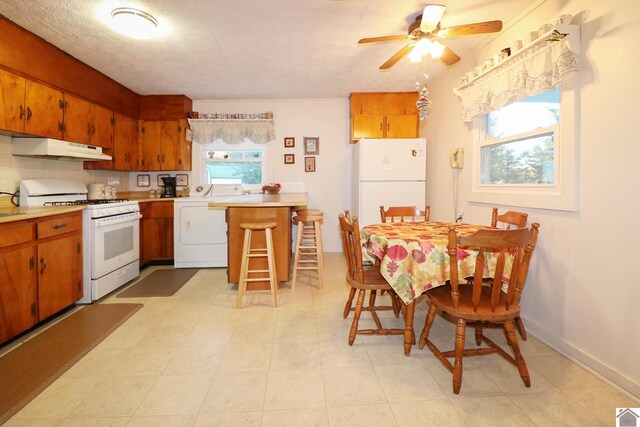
<point x="431" y="17"/>
<point x="382" y="39"/>
<point x="449" y="57"/>
<point x="397" y="57"/>
<point x="471" y="29"/>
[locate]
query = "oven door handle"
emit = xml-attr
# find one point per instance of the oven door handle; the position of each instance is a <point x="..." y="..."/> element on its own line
<point x="105" y="223"/>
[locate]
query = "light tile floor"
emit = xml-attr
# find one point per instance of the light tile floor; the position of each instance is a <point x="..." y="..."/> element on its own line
<point x="194" y="360"/>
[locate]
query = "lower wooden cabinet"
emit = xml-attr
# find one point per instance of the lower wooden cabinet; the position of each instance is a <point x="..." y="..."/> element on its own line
<point x="40" y="270"/>
<point x="156" y="231"/>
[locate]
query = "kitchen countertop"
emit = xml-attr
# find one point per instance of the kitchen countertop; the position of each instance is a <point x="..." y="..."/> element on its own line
<point x="19" y="213"/>
<point x="262" y="200"/>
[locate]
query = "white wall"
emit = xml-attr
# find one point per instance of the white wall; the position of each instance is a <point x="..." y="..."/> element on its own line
<point x="13" y="169"/>
<point x="328" y="187"/>
<point x="582" y="294"/>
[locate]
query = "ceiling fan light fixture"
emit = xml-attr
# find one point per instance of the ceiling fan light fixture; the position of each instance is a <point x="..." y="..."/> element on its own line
<point x="421" y="48"/>
<point x="437" y="49"/>
<point x="134" y="23"/>
<point x="431" y="17"/>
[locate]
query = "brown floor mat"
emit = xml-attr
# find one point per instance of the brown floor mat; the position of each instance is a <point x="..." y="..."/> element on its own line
<point x="33" y="366"/>
<point x="160" y="283"/>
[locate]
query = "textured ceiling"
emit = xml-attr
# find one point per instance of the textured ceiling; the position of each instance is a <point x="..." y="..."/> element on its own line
<point x="251" y="49"/>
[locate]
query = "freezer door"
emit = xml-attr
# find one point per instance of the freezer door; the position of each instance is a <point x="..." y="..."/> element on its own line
<point x="375" y="194"/>
<point x="392" y="159"/>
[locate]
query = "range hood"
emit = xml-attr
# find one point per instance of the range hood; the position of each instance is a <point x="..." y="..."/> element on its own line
<point x="57" y="149"/>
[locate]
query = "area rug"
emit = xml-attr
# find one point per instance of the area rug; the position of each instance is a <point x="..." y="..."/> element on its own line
<point x="160" y="283"/>
<point x="31" y="367"/>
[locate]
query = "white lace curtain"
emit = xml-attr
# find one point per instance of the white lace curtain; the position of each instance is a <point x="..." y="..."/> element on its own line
<point x="232" y="131"/>
<point x="537" y="70"/>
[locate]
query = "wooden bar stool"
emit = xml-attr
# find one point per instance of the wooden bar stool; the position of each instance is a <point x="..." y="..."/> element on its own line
<point x="248" y="253"/>
<point x="308" y="243"/>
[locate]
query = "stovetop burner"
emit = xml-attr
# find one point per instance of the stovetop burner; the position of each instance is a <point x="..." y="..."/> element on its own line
<point x="84" y="202"/>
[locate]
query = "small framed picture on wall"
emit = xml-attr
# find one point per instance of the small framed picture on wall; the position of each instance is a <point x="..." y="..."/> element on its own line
<point x="311" y="145"/>
<point x="309" y="164"/>
<point x="289" y="159"/>
<point x="144" y="180"/>
<point x="182" y="180"/>
<point x="289" y="142"/>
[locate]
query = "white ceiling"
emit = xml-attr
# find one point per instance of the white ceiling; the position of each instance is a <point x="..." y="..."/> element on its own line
<point x="252" y="49"/>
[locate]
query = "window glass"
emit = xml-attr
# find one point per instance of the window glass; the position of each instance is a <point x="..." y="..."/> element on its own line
<point x="525" y="161"/>
<point x="540" y="111"/>
<point x="234" y="167"/>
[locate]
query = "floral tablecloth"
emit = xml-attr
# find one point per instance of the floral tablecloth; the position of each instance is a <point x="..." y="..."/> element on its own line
<point x="414" y="256"/>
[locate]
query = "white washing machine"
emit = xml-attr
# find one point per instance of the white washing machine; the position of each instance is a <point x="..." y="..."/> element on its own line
<point x="199" y="232"/>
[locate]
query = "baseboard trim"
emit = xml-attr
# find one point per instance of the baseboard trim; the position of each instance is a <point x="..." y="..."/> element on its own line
<point x="593" y="365"/>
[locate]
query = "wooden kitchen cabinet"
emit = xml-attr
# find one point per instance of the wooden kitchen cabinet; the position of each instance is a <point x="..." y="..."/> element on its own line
<point x="18" y="280"/>
<point x="87" y="123"/>
<point x="29" y="107"/>
<point x="124" y="155"/>
<point x="383" y="115"/>
<point x="156" y="231"/>
<point x="164" y="145"/>
<point x="40" y="270"/>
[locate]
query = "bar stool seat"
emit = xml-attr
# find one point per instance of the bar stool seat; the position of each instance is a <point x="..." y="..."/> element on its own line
<point x="309" y="249"/>
<point x="248" y="254"/>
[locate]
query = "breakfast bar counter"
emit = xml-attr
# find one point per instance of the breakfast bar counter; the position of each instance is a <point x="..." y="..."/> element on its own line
<point x="276" y="208"/>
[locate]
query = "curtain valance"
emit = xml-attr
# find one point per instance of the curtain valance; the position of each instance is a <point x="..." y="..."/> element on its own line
<point x="538" y="69"/>
<point x="204" y="131"/>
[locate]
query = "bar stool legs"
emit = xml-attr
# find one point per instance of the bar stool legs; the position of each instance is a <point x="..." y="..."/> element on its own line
<point x="309" y="250"/>
<point x="248" y="253"/>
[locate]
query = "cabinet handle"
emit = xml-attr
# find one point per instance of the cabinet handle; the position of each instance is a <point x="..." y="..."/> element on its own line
<point x="93" y="129"/>
<point x="31" y="263"/>
<point x="88" y="128"/>
<point x="21" y="112"/>
<point x="388" y="127"/>
<point x="29" y="114"/>
<point x="380" y="126"/>
<point x="43" y="265"/>
<point x="59" y="226"/>
<point x="163" y="158"/>
<point x="158" y="158"/>
<point x="33" y="309"/>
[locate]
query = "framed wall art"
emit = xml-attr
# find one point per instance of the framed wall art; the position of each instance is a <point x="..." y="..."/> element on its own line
<point x="182" y="180"/>
<point x="309" y="164"/>
<point x="289" y="142"/>
<point x="289" y="159"/>
<point x="144" y="180"/>
<point x="311" y="145"/>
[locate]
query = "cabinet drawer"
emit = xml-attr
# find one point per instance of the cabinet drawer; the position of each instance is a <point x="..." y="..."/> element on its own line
<point x="161" y="209"/>
<point x="56" y="226"/>
<point x="16" y="233"/>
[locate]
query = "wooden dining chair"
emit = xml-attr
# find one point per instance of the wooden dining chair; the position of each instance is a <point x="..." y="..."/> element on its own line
<point x="404" y="214"/>
<point x="480" y="304"/>
<point x="506" y="220"/>
<point x="362" y="279"/>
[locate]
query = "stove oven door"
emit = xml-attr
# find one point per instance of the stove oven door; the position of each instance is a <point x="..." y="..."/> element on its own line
<point x="115" y="243"/>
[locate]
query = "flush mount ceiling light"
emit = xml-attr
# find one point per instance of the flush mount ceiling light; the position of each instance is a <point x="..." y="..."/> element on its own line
<point x="134" y="22"/>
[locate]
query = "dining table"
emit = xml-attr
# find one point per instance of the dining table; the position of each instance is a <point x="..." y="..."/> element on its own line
<point x="414" y="258"/>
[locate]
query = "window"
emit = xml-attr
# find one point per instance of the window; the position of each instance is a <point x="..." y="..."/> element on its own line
<point x="524" y="153"/>
<point x="517" y="146"/>
<point x="234" y="167"/>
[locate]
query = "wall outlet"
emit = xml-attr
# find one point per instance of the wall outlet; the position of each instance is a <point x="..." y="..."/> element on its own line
<point x="459" y="215"/>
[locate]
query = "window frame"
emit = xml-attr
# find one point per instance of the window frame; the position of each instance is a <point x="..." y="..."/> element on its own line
<point x="562" y="194"/>
<point x="263" y="160"/>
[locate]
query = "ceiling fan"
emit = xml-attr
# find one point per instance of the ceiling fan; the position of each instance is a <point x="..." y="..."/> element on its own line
<point x="425" y="34"/>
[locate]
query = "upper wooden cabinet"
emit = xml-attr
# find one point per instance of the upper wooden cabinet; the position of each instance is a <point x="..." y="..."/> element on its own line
<point x="29" y="107"/>
<point x="164" y="145"/>
<point x="383" y="115"/>
<point x="125" y="143"/>
<point x="87" y="123"/>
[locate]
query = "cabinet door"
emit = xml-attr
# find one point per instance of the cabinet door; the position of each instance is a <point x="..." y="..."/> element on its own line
<point x="402" y="126"/>
<point x="367" y="126"/>
<point x="12" y="108"/>
<point x="101" y="126"/>
<point x="184" y="152"/>
<point x="151" y="146"/>
<point x="77" y="120"/>
<point x="125" y="143"/>
<point x="156" y="231"/>
<point x="17" y="292"/>
<point x="59" y="274"/>
<point x="44" y="110"/>
<point x="170" y="144"/>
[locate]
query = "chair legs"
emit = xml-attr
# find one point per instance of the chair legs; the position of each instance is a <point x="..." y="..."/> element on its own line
<point x="461" y="327"/>
<point x="356" y="316"/>
<point x="379" y="328"/>
<point x="521" y="330"/>
<point x="347" y="306"/>
<point x="513" y="343"/>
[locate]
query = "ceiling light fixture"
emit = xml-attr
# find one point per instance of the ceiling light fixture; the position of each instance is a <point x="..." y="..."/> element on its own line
<point x="134" y="22"/>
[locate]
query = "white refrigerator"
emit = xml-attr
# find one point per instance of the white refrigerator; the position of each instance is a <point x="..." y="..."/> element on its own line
<point x="388" y="172"/>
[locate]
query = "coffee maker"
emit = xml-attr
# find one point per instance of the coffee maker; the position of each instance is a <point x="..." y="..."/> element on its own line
<point x="169" y="188"/>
